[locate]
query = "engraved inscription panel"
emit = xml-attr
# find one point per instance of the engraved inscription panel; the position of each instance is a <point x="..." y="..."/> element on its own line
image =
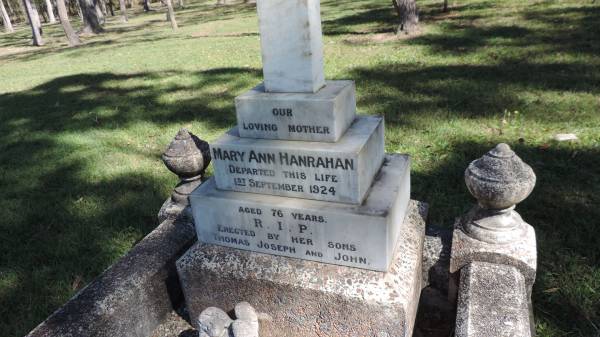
<point x="353" y="235"/>
<point x="339" y="172"/>
<point x="321" y="117"/>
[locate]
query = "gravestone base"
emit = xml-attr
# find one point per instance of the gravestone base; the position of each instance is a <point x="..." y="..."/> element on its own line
<point x="363" y="236"/>
<point x="304" y="298"/>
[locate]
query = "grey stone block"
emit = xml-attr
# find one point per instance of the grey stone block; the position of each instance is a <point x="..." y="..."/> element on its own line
<point x="306" y="298"/>
<point x="133" y="296"/>
<point x="291" y="45"/>
<point x="361" y="236"/>
<point x="338" y="172"/>
<point x="520" y="253"/>
<point x="320" y="117"/>
<point x="492" y="302"/>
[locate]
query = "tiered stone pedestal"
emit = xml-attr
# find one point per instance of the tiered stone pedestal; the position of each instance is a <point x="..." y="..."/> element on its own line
<point x="361" y="236"/>
<point x="302" y="179"/>
<point x="305" y="298"/>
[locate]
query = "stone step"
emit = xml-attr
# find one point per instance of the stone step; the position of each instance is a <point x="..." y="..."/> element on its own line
<point x="361" y="236"/>
<point x="305" y="298"/>
<point x="320" y="117"/>
<point x="339" y="172"/>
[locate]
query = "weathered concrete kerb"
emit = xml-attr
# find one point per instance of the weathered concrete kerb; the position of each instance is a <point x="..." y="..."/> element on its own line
<point x="133" y="296"/>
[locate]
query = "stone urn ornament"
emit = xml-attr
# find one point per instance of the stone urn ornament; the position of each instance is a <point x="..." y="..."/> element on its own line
<point x="499" y="180"/>
<point x="188" y="157"/>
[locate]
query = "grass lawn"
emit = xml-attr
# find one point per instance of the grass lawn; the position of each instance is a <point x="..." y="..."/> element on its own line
<point x="82" y="130"/>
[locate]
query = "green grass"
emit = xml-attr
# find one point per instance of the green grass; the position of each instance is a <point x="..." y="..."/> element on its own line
<point x="82" y="130"/>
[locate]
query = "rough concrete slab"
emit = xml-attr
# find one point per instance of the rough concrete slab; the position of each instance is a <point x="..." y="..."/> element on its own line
<point x="436" y="257"/>
<point x="133" y="296"/>
<point x="521" y="253"/>
<point x="492" y="302"/>
<point x="175" y="325"/>
<point x="306" y="298"/>
<point x="320" y="117"/>
<point x="338" y="172"/>
<point x="361" y="236"/>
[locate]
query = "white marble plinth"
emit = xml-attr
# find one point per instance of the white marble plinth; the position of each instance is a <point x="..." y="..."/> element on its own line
<point x="359" y="236"/>
<point x="320" y="117"/>
<point x="340" y="172"/>
<point x="291" y="44"/>
<point x="305" y="298"/>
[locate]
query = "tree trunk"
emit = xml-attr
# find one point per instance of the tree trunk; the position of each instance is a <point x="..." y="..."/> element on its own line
<point x="91" y="21"/>
<point x="123" y="10"/>
<point x="409" y="16"/>
<point x="110" y="6"/>
<point x="171" y="14"/>
<point x="79" y="11"/>
<point x="98" y="6"/>
<point x="11" y="11"/>
<point x="34" y="20"/>
<point x="50" y="10"/>
<point x="102" y="6"/>
<point x="147" y="7"/>
<point x="445" y="9"/>
<point x="23" y="11"/>
<point x="6" y="19"/>
<point x="66" y="24"/>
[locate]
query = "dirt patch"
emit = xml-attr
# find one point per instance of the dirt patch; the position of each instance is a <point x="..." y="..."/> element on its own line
<point x="15" y="50"/>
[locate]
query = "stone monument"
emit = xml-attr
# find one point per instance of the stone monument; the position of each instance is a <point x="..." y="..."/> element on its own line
<point x="305" y="180"/>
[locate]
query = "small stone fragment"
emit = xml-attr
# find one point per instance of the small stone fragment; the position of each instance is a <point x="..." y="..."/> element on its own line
<point x="243" y="328"/>
<point x="214" y="322"/>
<point x="245" y="311"/>
<point x="564" y="137"/>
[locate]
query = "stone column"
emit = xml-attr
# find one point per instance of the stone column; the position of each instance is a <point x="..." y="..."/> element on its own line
<point x="493" y="250"/>
<point x="292" y="46"/>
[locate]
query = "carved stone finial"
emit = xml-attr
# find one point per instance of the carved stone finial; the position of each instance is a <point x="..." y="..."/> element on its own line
<point x="188" y="157"/>
<point x="499" y="180"/>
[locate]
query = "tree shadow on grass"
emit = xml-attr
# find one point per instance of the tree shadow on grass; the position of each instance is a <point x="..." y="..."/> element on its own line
<point x="568" y="29"/>
<point x="75" y="196"/>
<point x="363" y="17"/>
<point x="406" y="93"/>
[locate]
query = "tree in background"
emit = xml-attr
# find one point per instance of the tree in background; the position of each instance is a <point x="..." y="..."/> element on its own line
<point x="34" y="22"/>
<point x="66" y="24"/>
<point x="409" y="16"/>
<point x="99" y="12"/>
<point x="171" y="14"/>
<point x="50" y="11"/>
<point x="123" y="10"/>
<point x="445" y="9"/>
<point x="91" y="21"/>
<point x="6" y="19"/>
